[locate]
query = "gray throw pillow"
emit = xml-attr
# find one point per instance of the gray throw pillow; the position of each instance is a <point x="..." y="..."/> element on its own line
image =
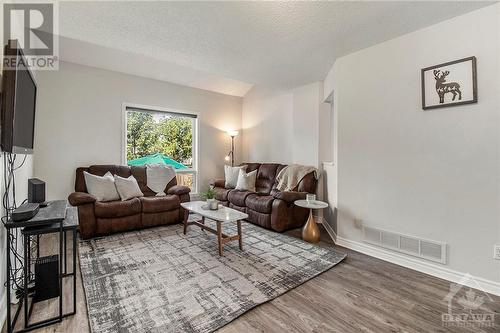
<point x="127" y="188"/>
<point x="102" y="188"/>
<point x="231" y="175"/>
<point x="246" y="181"/>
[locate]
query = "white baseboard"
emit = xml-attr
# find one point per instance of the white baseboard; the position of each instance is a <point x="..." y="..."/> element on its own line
<point x="330" y="231"/>
<point x="433" y="269"/>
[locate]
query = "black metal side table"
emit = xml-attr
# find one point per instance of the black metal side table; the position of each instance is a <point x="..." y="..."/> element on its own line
<point x="68" y="224"/>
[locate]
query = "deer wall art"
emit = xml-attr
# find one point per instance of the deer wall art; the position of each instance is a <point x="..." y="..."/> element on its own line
<point x="449" y="84"/>
<point x="443" y="88"/>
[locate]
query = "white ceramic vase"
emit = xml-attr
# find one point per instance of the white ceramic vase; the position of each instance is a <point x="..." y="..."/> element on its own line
<point x="212" y="204"/>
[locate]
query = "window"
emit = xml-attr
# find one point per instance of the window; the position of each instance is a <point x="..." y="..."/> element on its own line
<point x="165" y="137"/>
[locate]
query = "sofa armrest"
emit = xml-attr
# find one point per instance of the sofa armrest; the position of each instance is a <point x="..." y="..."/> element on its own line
<point x="218" y="183"/>
<point x="289" y="196"/>
<point x="178" y="190"/>
<point x="80" y="198"/>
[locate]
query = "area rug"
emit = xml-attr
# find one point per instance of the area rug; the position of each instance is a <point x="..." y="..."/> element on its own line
<point x="159" y="280"/>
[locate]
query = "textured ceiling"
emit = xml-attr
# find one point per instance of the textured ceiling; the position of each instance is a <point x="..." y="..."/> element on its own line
<point x="278" y="44"/>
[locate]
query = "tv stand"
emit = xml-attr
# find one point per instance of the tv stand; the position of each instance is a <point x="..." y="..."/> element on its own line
<point x="57" y="217"/>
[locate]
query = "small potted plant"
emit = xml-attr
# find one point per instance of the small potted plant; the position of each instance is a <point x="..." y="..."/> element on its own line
<point x="209" y="196"/>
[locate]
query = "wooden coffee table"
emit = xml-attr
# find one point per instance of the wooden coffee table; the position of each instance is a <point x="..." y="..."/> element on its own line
<point x="223" y="214"/>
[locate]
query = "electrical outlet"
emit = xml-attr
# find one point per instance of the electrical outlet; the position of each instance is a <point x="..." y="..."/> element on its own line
<point x="496" y="254"/>
<point x="358" y="223"/>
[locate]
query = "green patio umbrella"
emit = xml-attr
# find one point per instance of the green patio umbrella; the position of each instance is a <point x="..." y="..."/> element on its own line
<point x="157" y="158"/>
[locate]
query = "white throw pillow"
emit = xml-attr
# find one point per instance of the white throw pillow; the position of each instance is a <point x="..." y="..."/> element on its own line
<point x="231" y="175"/>
<point x="127" y="188"/>
<point x="102" y="188"/>
<point x="246" y="181"/>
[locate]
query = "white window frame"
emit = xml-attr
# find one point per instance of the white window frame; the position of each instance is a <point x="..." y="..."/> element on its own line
<point x="156" y="109"/>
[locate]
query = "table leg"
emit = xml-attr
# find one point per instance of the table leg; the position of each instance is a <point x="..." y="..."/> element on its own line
<point x="29" y="259"/>
<point x="186" y="216"/>
<point x="219" y="237"/>
<point x="310" y="232"/>
<point x="25" y="282"/>
<point x="7" y="290"/>
<point x="65" y="253"/>
<point x="74" y="270"/>
<point x="240" y="239"/>
<point x="61" y="253"/>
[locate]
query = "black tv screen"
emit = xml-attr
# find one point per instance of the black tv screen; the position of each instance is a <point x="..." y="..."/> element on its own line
<point x="18" y="103"/>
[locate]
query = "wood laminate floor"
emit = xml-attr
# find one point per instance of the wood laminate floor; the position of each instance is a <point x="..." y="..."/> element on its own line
<point x="361" y="294"/>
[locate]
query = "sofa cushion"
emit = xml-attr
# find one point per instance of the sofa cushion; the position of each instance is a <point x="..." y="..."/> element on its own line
<point x="251" y="166"/>
<point x="238" y="197"/>
<point x="102" y="188"/>
<point x="261" y="219"/>
<point x="106" y="226"/>
<point x="240" y="208"/>
<point x="231" y="175"/>
<point x="266" y="177"/>
<point x="221" y="193"/>
<point x="163" y="218"/>
<point x="260" y="203"/>
<point x="100" y="170"/>
<point x="118" y="208"/>
<point x="246" y="181"/>
<point x="127" y="188"/>
<point x="139" y="173"/>
<point x="160" y="204"/>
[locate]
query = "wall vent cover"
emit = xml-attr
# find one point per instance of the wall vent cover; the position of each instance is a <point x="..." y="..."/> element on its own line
<point x="418" y="247"/>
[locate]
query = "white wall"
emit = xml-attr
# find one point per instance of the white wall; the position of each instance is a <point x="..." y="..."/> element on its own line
<point x="305" y="129"/>
<point x="267" y="126"/>
<point x="21" y="182"/>
<point x="79" y="121"/>
<point x="432" y="174"/>
<point x="284" y="126"/>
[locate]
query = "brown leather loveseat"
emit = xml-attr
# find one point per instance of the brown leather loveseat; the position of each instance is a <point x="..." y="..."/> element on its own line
<point x="102" y="218"/>
<point x="268" y="207"/>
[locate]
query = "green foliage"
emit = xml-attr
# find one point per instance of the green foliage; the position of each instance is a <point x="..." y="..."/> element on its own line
<point x="171" y="136"/>
<point x="208" y="194"/>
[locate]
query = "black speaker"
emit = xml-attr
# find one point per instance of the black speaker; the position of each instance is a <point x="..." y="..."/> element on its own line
<point x="36" y="190"/>
<point x="46" y="278"/>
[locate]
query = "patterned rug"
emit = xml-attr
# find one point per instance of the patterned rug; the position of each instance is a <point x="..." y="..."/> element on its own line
<point x="159" y="280"/>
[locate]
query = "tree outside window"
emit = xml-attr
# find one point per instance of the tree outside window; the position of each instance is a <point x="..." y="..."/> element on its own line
<point x="160" y="137"/>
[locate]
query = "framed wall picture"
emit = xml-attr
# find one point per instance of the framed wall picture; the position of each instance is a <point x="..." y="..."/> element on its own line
<point x="449" y="84"/>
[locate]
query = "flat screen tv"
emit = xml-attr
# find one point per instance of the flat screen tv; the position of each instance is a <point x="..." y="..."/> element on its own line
<point x="18" y="102"/>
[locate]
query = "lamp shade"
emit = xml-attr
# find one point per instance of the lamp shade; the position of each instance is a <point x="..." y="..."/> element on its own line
<point x="232" y="133"/>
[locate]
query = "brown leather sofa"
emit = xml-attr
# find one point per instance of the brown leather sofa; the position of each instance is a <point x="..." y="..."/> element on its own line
<point x="102" y="218"/>
<point x="268" y="207"/>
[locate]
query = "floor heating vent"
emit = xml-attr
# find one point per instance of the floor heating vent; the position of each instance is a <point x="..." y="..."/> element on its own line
<point x="422" y="248"/>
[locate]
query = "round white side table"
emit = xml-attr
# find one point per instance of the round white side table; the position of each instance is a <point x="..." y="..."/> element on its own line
<point x="310" y="231"/>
